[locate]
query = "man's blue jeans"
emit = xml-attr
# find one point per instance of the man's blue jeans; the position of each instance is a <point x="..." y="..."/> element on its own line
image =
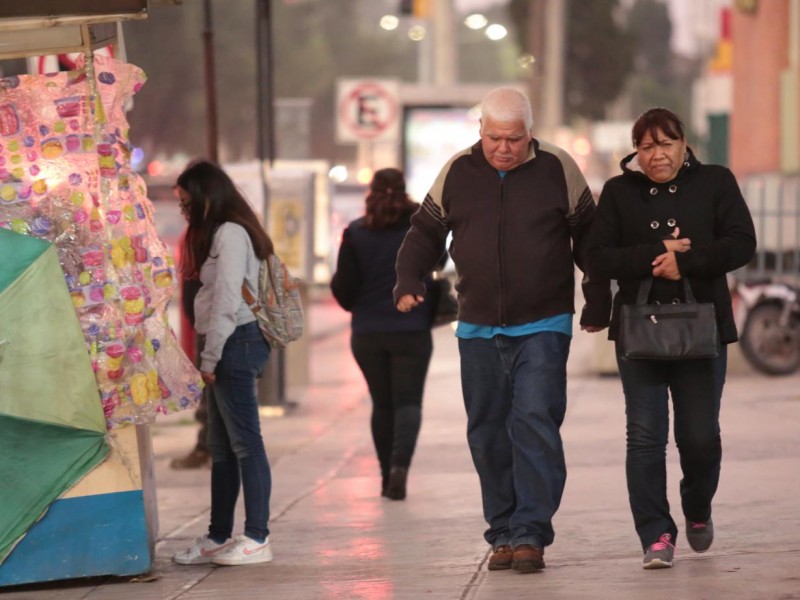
<point x="515" y="393"/>
<point x="696" y="390"/>
<point x="234" y="437"/>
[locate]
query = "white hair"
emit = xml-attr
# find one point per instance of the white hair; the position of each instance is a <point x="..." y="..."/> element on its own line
<point x="507" y="105"/>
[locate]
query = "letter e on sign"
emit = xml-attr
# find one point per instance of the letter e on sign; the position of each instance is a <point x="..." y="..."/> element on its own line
<point x="367" y="110"/>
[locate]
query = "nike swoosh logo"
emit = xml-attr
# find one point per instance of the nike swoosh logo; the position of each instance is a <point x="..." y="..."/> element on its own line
<point x="256" y="550"/>
<point x="204" y="552"/>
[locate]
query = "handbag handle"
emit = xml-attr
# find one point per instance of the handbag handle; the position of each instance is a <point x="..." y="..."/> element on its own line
<point x="647" y="284"/>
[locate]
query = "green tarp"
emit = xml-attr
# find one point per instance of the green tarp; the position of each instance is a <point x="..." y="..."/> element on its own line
<point x="52" y="428"/>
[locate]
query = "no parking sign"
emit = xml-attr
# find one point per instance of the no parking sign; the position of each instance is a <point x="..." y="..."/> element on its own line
<point x="367" y="109"/>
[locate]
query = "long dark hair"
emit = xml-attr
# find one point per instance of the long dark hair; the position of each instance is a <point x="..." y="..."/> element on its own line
<point x="214" y="201"/>
<point x="387" y="201"/>
<point x="654" y="119"/>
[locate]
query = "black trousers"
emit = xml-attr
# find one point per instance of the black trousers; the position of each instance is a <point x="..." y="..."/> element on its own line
<point x="395" y="366"/>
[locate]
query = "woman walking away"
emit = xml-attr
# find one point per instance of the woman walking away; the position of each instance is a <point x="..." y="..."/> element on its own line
<point x="670" y="218"/>
<point x="224" y="246"/>
<point x="392" y="349"/>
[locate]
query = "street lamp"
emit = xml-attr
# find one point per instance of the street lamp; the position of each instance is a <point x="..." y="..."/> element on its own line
<point x="496" y="32"/>
<point x="416" y="33"/>
<point x="389" y="22"/>
<point x="476" y="21"/>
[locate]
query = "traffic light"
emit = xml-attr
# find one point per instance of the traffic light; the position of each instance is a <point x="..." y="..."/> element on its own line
<point x="420" y="9"/>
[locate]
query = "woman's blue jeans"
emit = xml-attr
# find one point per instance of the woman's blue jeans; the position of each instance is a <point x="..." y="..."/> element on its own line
<point x="696" y="390"/>
<point x="515" y="393"/>
<point x="234" y="437"/>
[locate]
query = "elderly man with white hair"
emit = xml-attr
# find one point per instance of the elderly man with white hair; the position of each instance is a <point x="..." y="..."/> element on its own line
<point x="519" y="211"/>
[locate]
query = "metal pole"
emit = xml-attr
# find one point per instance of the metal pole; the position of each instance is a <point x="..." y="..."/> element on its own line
<point x="212" y="136"/>
<point x="552" y="107"/>
<point x="536" y="34"/>
<point x="274" y="384"/>
<point x="444" y="41"/>
<point x="425" y="56"/>
<point x="264" y="84"/>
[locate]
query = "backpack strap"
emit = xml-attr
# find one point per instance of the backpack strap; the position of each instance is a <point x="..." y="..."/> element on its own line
<point x="249" y="299"/>
<point x="247" y="295"/>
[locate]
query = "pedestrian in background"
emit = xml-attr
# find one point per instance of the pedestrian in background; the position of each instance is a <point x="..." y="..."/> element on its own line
<point x="670" y="217"/>
<point x="224" y="246"/>
<point x="199" y="456"/>
<point x="392" y="350"/>
<point x="519" y="211"/>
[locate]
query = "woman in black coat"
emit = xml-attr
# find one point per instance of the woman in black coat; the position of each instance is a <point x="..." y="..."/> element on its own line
<point x="670" y="217"/>
<point x="392" y="349"/>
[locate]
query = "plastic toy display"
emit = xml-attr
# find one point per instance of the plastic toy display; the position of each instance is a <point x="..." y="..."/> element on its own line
<point x="65" y="177"/>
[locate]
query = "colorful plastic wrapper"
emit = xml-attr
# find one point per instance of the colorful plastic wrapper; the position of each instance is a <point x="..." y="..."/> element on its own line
<point x="65" y="176"/>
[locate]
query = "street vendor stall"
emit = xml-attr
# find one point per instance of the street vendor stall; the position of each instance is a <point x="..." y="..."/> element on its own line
<point x="87" y="356"/>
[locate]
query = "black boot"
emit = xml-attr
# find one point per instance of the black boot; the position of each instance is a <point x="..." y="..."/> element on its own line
<point x="396" y="489"/>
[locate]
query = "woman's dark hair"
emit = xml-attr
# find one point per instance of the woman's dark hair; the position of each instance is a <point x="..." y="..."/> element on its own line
<point x="387" y="201"/>
<point x="214" y="201"/>
<point x="657" y="119"/>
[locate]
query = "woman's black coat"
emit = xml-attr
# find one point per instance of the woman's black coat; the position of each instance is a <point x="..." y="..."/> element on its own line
<point x="635" y="214"/>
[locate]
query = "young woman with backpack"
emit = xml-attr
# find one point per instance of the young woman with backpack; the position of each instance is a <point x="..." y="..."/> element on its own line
<point x="224" y="246"/>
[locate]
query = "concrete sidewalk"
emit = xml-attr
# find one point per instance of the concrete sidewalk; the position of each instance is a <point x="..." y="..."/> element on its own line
<point x="335" y="537"/>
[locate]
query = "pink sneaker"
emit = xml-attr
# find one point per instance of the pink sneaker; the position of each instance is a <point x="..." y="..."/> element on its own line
<point x="660" y="554"/>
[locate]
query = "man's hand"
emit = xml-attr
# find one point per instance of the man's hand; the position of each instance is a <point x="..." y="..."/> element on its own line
<point x="208" y="378"/>
<point x="591" y="328"/>
<point x="409" y="301"/>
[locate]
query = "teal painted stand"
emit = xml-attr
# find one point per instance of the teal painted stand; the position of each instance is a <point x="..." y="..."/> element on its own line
<point x="89" y="536"/>
<point x="83" y="537"/>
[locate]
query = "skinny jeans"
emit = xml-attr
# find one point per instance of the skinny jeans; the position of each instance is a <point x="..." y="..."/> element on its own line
<point x="696" y="390"/>
<point x="234" y="437"/>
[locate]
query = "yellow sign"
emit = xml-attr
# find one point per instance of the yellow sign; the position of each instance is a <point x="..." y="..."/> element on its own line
<point x="286" y="217"/>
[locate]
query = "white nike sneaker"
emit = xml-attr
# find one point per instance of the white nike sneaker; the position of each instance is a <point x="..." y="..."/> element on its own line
<point x="244" y="551"/>
<point x="201" y="551"/>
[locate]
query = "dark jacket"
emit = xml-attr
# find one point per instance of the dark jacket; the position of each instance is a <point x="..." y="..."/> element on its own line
<point x="365" y="276"/>
<point x="635" y="214"/>
<point x="514" y="238"/>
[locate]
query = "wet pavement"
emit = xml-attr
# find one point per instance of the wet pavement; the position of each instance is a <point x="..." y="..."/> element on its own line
<point x="335" y="537"/>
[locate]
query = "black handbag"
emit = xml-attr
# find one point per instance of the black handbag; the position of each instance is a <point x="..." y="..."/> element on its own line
<point x="445" y="304"/>
<point x="682" y="330"/>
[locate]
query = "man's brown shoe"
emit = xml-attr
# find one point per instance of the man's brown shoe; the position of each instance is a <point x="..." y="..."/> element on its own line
<point x="527" y="559"/>
<point x="500" y="560"/>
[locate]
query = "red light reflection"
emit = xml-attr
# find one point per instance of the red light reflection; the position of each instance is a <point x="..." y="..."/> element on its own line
<point x="378" y="589"/>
